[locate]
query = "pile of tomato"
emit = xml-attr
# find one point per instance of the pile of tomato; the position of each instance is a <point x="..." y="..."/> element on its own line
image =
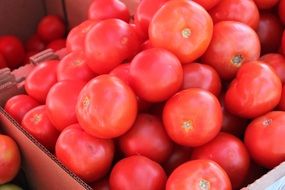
<point x="185" y="95"/>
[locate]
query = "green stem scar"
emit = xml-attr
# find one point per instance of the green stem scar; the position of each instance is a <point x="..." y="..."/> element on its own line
<point x="237" y="60"/>
<point x="186" y="33"/>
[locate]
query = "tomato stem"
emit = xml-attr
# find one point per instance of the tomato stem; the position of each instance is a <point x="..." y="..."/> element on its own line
<point x="267" y="122"/>
<point x="204" y="184"/>
<point x="186" y="32"/>
<point x="37" y="118"/>
<point x="187" y="125"/>
<point x="86" y="102"/>
<point x="237" y="60"/>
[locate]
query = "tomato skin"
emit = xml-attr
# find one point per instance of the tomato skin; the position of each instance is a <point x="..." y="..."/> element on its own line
<point x="281" y="105"/>
<point x="182" y="27"/>
<point x="137" y="172"/>
<point x="34" y="43"/>
<point x="34" y="85"/>
<point x="10" y="159"/>
<point x="145" y="125"/>
<point x="184" y="117"/>
<point x="283" y="43"/>
<point x="19" y="105"/>
<point x="254" y="81"/>
<point x="57" y="44"/>
<point x="270" y="126"/>
<point x="207" y="4"/>
<point x="95" y="156"/>
<point x="281" y="10"/>
<point x="106" y="9"/>
<point x="266" y="4"/>
<point x="197" y="175"/>
<point x="233" y="44"/>
<point x="106" y="107"/>
<point x="3" y="62"/>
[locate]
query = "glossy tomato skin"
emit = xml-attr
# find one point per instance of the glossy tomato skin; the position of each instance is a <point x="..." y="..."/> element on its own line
<point x="137" y="172"/>
<point x="37" y="123"/>
<point x="197" y="175"/>
<point x="57" y="44"/>
<point x="105" y="9"/>
<point x="109" y="43"/>
<point x="34" y="43"/>
<point x="233" y="44"/>
<point x="266" y="4"/>
<point x="106" y="107"/>
<point x="255" y="91"/>
<point x="10" y="159"/>
<point x="207" y="4"/>
<point x="203" y="76"/>
<point x="281" y="10"/>
<point x="270" y="126"/>
<point x="184" y="117"/>
<point x="19" y="105"/>
<point x="95" y="156"/>
<point x="182" y="27"/>
<point x="41" y="79"/>
<point x="281" y="105"/>
<point x="230" y="153"/>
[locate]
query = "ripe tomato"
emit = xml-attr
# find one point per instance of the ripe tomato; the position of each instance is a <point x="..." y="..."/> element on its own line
<point x="61" y="102"/>
<point x="266" y="4"/>
<point x="283" y="44"/>
<point x="50" y="28"/>
<point x="184" y="117"/>
<point x="106" y="107"/>
<point x="270" y="152"/>
<point x="255" y="91"/>
<point x="57" y="44"/>
<point x="146" y="45"/>
<point x="106" y="49"/>
<point x="182" y="27"/>
<point x="41" y="79"/>
<point x="207" y="4"/>
<point x="19" y="105"/>
<point x="10" y="159"/>
<point x="3" y="62"/>
<point x="281" y="10"/>
<point x="34" y="43"/>
<point x="37" y="123"/>
<point x="13" y="51"/>
<point x="136" y="140"/>
<point x="137" y="172"/>
<point x="226" y="146"/>
<point x="233" y="44"/>
<point x="197" y="175"/>
<point x="95" y="156"/>
<point x="105" y="9"/>
<point x="281" y="105"/>
<point x="197" y="75"/>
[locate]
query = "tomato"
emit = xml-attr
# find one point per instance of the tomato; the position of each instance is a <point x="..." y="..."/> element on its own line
<point x="281" y="10"/>
<point x="19" y="105"/>
<point x="74" y="67"/>
<point x="281" y="105"/>
<point x="146" y="45"/>
<point x="147" y="125"/>
<point x="13" y="51"/>
<point x="75" y="40"/>
<point x="10" y="159"/>
<point x="269" y="32"/>
<point x="197" y="175"/>
<point x="106" y="49"/>
<point x="184" y="117"/>
<point x="3" y="62"/>
<point x="102" y="184"/>
<point x="105" y="9"/>
<point x="182" y="27"/>
<point x="41" y="79"/>
<point x="148" y="63"/>
<point x="207" y="4"/>
<point x="95" y="156"/>
<point x="35" y="43"/>
<point x="57" y="44"/>
<point x="270" y="152"/>
<point x="283" y="44"/>
<point x="106" y="107"/>
<point x="233" y="44"/>
<point x="50" y="28"/>
<point x="37" y="123"/>
<point x="266" y="4"/>
<point x="197" y="75"/>
<point x="10" y="186"/>
<point x="255" y="90"/>
<point x="137" y="172"/>
<point x="230" y="147"/>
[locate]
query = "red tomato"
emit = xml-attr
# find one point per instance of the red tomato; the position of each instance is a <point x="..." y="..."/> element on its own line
<point x="74" y="67"/>
<point x="10" y="159"/>
<point x="57" y="44"/>
<point x="281" y="105"/>
<point x="198" y="175"/>
<point x="207" y="4"/>
<point x="281" y="10"/>
<point x="197" y="75"/>
<point x="88" y="157"/>
<point x="105" y="9"/>
<point x="19" y="105"/>
<point x="136" y="140"/>
<point x="146" y="45"/>
<point x="137" y="172"/>
<point x="106" y="107"/>
<point x="106" y="49"/>
<point x="283" y="43"/>
<point x="75" y="40"/>
<point x="182" y="27"/>
<point x="233" y="44"/>
<point x="184" y="117"/>
<point x="61" y="103"/>
<point x="35" y="43"/>
<point x="3" y="62"/>
<point x="101" y="185"/>
<point x="269" y="32"/>
<point x="13" y="51"/>
<point x="41" y="79"/>
<point x="270" y="152"/>
<point x="37" y="123"/>
<point x="255" y="91"/>
<point x="266" y="4"/>
<point x="163" y="85"/>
